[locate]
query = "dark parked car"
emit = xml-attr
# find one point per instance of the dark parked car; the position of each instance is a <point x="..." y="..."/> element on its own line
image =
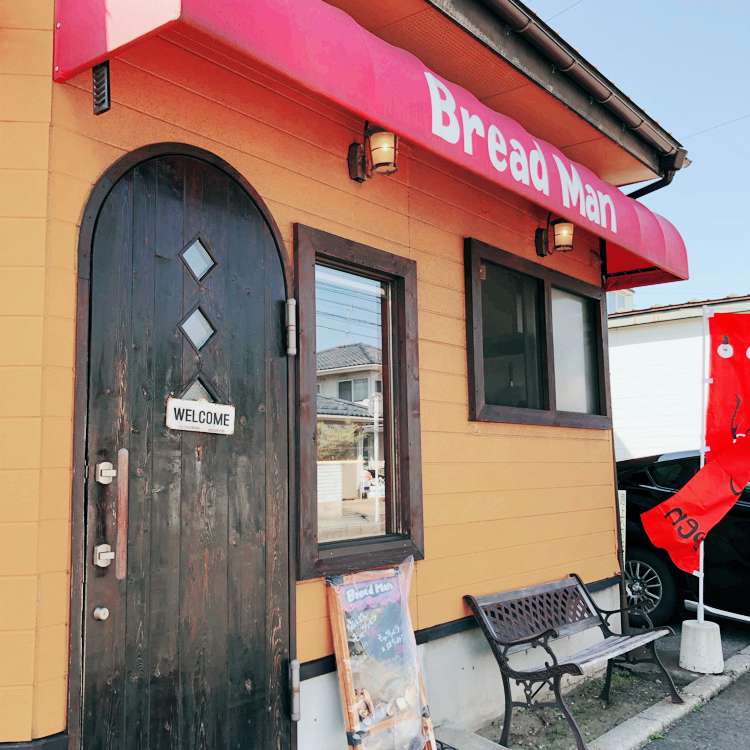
<point x="650" y="575"/>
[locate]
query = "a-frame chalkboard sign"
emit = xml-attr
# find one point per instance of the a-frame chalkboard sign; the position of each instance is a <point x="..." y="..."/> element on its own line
<point x="382" y="691"/>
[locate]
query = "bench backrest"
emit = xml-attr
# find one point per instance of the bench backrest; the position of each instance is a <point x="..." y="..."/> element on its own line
<point x="563" y="605"/>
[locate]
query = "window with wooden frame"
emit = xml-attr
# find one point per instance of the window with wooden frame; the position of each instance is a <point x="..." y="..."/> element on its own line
<point x="536" y="343"/>
<point x="360" y="485"/>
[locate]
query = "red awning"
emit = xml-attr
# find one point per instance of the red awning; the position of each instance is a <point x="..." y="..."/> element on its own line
<point x="326" y="51"/>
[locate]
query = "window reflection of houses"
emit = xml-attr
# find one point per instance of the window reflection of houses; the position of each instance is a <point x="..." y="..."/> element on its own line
<point x="351" y="454"/>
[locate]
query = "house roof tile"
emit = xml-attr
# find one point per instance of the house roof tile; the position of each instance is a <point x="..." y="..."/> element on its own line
<point x="348" y="355"/>
<point x="337" y="407"/>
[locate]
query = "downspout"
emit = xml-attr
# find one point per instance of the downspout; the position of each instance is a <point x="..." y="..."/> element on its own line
<point x="677" y="161"/>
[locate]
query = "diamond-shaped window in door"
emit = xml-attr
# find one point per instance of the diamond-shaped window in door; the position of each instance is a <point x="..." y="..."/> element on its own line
<point x="197" y="328"/>
<point x="196" y="391"/>
<point x="197" y="258"/>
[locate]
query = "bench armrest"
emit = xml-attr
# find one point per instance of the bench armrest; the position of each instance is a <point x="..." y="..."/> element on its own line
<point x="634" y="609"/>
<point x="536" y="640"/>
<point x="539" y="638"/>
<point x="605" y="614"/>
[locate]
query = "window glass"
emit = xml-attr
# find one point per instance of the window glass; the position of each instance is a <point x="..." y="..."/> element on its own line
<point x="197" y="391"/>
<point x="360" y="389"/>
<point x="674" y="474"/>
<point x="632" y="478"/>
<point x="198" y="259"/>
<point x="354" y="460"/>
<point x="518" y="311"/>
<point x="576" y="369"/>
<point x="197" y="328"/>
<point x="360" y="489"/>
<point x="345" y="390"/>
<point x="512" y="338"/>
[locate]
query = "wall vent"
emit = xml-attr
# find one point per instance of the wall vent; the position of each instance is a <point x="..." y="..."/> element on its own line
<point x="100" y="88"/>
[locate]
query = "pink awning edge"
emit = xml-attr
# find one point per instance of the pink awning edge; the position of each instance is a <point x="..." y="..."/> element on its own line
<point x="326" y="51"/>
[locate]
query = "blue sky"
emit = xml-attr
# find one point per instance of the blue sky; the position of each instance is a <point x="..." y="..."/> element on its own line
<point x="687" y="63"/>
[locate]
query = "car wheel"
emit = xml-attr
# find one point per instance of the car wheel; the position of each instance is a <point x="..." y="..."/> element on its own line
<point x="650" y="585"/>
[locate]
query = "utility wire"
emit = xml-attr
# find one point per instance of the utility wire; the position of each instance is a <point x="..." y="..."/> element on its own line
<point x="564" y="10"/>
<point x="351" y="334"/>
<point x="359" y="304"/>
<point x="349" y="319"/>
<point x="346" y="292"/>
<point x="718" y="125"/>
<point x="691" y="135"/>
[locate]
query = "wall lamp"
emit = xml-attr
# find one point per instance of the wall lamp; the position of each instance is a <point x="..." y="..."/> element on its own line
<point x="378" y="153"/>
<point x="562" y="237"/>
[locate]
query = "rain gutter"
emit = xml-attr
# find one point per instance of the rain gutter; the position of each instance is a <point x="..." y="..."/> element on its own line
<point x="525" y="41"/>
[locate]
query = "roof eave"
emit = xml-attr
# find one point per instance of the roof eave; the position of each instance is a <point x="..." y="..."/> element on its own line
<point x="677" y="311"/>
<point x="522" y="39"/>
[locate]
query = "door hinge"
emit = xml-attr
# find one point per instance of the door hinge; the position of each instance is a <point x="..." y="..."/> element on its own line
<point x="291" y="327"/>
<point x="294" y="690"/>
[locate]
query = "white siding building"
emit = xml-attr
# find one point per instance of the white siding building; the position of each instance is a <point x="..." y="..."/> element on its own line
<point x="655" y="358"/>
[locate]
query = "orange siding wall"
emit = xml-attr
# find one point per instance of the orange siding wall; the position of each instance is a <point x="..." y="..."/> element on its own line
<point x="504" y="504"/>
<point x="36" y="369"/>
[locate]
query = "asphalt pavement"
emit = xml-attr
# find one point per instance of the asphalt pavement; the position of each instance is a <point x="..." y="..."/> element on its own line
<point x="722" y="724"/>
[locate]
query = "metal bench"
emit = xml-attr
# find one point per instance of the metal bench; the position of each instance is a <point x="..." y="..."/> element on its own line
<point x="531" y="618"/>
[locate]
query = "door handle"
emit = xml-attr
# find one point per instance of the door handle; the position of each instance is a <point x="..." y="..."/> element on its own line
<point x="104" y="472"/>
<point x="121" y="558"/>
<point x="103" y="555"/>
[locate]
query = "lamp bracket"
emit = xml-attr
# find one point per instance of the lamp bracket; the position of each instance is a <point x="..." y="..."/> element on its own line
<point x="541" y="239"/>
<point x="357" y="162"/>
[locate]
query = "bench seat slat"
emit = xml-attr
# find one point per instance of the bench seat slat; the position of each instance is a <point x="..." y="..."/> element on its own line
<point x="615" y="646"/>
<point x="606" y="649"/>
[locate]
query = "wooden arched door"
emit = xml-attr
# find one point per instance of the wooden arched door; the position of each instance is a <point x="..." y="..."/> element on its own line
<point x="186" y="632"/>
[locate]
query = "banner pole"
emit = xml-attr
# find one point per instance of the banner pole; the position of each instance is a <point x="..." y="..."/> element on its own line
<point x="704" y="385"/>
<point x="701" y="604"/>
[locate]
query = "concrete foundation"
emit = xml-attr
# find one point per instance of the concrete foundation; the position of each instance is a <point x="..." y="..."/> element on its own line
<point x="462" y="680"/>
<point x="700" y="647"/>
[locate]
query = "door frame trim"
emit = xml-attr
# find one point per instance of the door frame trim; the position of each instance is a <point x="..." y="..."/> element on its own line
<point x="91" y="211"/>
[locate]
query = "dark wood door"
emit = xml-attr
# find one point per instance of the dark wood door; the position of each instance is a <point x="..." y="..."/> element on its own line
<point x="187" y="296"/>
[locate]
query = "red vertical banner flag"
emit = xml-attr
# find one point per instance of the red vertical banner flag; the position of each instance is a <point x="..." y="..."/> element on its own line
<point x="728" y="413"/>
<point x="681" y="523"/>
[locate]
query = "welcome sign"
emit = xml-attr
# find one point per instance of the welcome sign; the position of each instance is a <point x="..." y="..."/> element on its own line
<point x="200" y="416"/>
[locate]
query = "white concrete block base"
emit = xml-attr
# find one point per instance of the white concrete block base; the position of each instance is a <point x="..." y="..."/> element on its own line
<point x="700" y="647"/>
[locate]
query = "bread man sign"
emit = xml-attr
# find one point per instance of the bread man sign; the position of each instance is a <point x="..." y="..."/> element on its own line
<point x="200" y="416"/>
